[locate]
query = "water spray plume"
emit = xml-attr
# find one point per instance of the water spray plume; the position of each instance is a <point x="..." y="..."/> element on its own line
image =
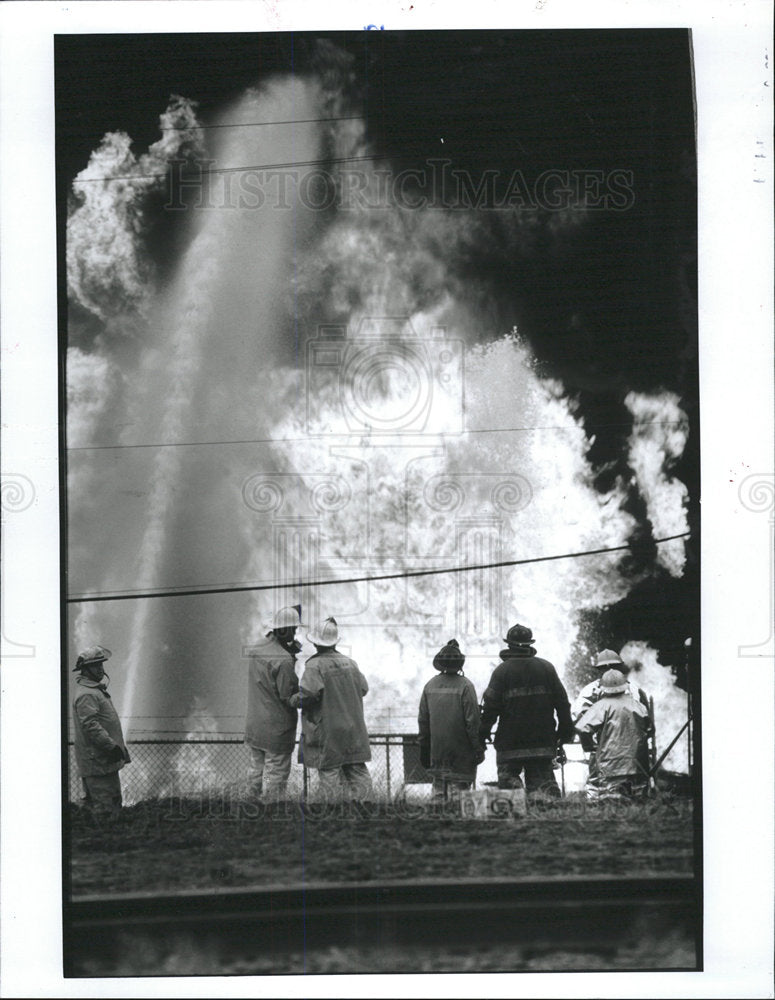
<point x="364" y="466"/>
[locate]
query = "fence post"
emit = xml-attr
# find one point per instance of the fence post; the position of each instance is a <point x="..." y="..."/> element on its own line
<point x="387" y="764"/>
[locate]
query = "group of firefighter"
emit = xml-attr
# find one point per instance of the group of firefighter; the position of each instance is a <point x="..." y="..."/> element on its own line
<point x="525" y="696"/>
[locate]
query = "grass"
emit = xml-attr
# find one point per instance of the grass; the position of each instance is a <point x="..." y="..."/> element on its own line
<point x="174" y="844"/>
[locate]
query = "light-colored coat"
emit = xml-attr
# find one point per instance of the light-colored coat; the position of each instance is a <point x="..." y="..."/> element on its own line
<point x="270" y="722"/>
<point x="332" y="724"/>
<point x="591" y="692"/>
<point x="620" y="725"/>
<point x="97" y="730"/>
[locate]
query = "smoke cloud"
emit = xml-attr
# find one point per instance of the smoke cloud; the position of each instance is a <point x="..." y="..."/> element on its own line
<point x="659" y="435"/>
<point x="269" y="471"/>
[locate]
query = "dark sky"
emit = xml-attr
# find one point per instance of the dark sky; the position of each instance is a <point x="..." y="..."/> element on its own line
<point x="611" y="307"/>
<point x="617" y="297"/>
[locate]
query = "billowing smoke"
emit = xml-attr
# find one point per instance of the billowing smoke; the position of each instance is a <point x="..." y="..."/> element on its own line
<point x="670" y="702"/>
<point x="109" y="274"/>
<point x="322" y="395"/>
<point x="659" y="435"/>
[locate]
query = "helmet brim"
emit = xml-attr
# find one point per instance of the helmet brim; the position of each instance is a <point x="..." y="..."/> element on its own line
<point x="318" y="640"/>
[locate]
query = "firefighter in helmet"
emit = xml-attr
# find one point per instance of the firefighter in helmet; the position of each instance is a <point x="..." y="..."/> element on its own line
<point x="448" y="722"/>
<point x="528" y="700"/>
<point x="334" y="735"/>
<point x="272" y="718"/>
<point x="100" y="751"/>
<point x="588" y="695"/>
<point x="617" y="726"/>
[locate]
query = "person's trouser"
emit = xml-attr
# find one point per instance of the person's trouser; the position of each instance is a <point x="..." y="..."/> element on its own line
<point x="351" y="781"/>
<point x="539" y="775"/>
<point x="268" y="773"/>
<point x="448" y="788"/>
<point x="627" y="786"/>
<point x="102" y="794"/>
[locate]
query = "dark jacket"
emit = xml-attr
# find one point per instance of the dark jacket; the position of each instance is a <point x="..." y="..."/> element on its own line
<point x="525" y="694"/>
<point x="449" y="724"/>
<point x="97" y="730"/>
<point x="272" y="682"/>
<point x="333" y="730"/>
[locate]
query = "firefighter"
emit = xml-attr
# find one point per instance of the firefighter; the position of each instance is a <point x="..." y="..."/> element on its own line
<point x="589" y="694"/>
<point x="617" y="724"/>
<point x="529" y="700"/>
<point x="334" y="737"/>
<point x="100" y="751"/>
<point x="270" y="724"/>
<point x="449" y="724"/>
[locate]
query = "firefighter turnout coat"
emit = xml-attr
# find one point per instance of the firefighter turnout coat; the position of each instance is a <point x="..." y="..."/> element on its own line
<point x="270" y="723"/>
<point x="591" y="692"/>
<point x="524" y="694"/>
<point x="449" y="724"/>
<point x="620" y="725"/>
<point x="97" y="730"/>
<point x="333" y="730"/>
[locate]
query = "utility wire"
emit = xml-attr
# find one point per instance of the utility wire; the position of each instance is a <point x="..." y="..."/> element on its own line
<point x="361" y="434"/>
<point x="357" y="579"/>
<point x="290" y="121"/>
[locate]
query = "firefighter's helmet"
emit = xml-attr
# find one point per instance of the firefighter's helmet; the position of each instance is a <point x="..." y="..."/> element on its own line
<point x="92" y="654"/>
<point x="607" y="657"/>
<point x="613" y="682"/>
<point x="519" y="635"/>
<point x="325" y="634"/>
<point x="449" y="657"/>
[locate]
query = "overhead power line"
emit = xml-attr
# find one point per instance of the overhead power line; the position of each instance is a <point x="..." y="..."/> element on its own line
<point x="302" y="584"/>
<point x="281" y="440"/>
<point x="289" y="121"/>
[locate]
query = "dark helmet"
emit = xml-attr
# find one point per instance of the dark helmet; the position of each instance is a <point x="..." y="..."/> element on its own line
<point x="519" y="635"/>
<point x="449" y="657"/>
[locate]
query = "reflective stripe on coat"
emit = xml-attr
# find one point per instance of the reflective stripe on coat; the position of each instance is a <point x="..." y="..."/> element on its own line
<point x="524" y="694"/>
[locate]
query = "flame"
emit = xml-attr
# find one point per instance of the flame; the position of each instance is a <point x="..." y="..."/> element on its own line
<point x="493" y="468"/>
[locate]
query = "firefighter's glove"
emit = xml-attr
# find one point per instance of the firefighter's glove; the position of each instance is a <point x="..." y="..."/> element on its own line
<point x="425" y="755"/>
<point x="115" y="754"/>
<point x="294" y="700"/>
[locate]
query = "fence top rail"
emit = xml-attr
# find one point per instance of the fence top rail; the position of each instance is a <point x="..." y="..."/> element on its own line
<point x="232" y="739"/>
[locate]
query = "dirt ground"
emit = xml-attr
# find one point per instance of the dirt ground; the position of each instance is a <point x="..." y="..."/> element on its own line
<point x="177" y="844"/>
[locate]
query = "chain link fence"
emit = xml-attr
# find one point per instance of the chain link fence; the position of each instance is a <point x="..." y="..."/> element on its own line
<point x="207" y="765"/>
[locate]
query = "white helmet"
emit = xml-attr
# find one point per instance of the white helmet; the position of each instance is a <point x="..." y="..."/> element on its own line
<point x="289" y="617"/>
<point x="607" y="657"/>
<point x="325" y="634"/>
